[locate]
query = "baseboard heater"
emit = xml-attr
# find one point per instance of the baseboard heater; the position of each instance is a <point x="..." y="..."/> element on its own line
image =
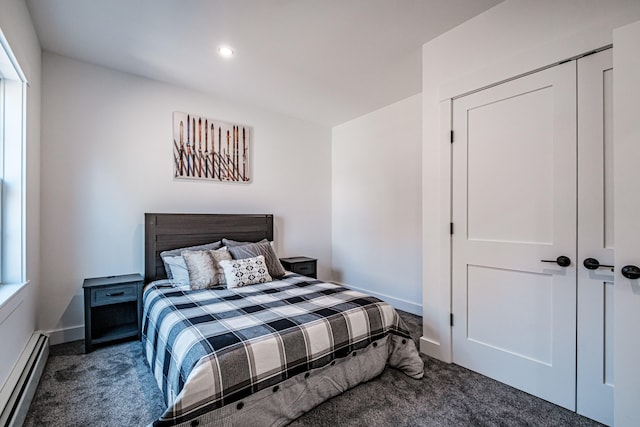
<point x="18" y="391"/>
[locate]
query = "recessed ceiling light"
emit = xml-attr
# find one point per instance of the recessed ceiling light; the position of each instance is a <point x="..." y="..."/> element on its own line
<point x="225" y="51"/>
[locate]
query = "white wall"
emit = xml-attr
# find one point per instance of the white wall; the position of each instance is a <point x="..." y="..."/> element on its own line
<point x="18" y="316"/>
<point x="376" y="215"/>
<point x="514" y="37"/>
<point x="107" y="159"/>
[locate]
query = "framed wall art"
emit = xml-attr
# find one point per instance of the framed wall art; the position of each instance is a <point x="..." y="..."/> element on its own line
<point x="209" y="149"/>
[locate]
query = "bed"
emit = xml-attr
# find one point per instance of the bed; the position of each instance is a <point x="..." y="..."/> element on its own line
<point x="261" y="354"/>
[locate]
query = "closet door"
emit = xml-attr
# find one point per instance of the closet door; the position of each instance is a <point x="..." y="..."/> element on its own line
<point x="514" y="205"/>
<point x="595" y="237"/>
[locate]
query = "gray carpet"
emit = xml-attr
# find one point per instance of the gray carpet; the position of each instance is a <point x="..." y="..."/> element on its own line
<point x="113" y="387"/>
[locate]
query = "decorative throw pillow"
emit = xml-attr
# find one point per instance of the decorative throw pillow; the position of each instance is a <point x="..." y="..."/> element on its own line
<point x="178" y="252"/>
<point x="248" y="271"/>
<point x="230" y="243"/>
<point x="204" y="268"/>
<point x="178" y="268"/>
<point x="261" y="248"/>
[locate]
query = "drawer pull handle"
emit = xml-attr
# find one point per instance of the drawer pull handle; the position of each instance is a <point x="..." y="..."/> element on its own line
<point x="115" y="294"/>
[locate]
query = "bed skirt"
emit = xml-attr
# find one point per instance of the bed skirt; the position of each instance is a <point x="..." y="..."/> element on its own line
<point x="288" y="400"/>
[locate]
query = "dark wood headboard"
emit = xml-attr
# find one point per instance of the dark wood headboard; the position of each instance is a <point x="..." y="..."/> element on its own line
<point x="167" y="231"/>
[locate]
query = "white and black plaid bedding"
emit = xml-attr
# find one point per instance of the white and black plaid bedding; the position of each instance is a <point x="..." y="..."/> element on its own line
<point x="230" y="343"/>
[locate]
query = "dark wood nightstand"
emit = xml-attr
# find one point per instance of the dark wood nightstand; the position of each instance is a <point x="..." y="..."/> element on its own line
<point x="112" y="309"/>
<point x="301" y="265"/>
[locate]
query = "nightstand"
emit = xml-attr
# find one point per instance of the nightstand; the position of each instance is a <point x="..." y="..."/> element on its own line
<point x="301" y="265"/>
<point x="112" y="309"/>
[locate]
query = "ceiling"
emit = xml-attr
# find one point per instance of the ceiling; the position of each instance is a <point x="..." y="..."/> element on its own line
<point x="327" y="61"/>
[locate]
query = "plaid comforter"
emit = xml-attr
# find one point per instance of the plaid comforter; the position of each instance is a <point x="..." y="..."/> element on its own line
<point x="231" y="343"/>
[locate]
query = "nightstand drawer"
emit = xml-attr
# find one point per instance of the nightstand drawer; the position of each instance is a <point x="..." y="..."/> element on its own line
<point x="305" y="268"/>
<point x="114" y="294"/>
<point x="301" y="265"/>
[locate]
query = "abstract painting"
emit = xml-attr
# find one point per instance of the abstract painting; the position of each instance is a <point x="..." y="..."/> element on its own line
<point x="209" y="149"/>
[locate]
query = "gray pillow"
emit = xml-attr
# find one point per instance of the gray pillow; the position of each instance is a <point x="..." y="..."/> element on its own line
<point x="178" y="252"/>
<point x="230" y="243"/>
<point x="264" y="248"/>
<point x="204" y="268"/>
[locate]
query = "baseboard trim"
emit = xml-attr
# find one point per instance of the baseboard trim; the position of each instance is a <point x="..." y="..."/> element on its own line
<point x="21" y="386"/>
<point x="399" y="303"/>
<point x="434" y="349"/>
<point x="61" y="336"/>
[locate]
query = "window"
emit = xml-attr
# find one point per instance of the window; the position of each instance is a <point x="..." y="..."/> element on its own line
<point x="13" y="87"/>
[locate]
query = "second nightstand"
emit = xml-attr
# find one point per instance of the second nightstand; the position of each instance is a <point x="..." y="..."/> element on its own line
<point x="112" y="309"/>
<point x="301" y="265"/>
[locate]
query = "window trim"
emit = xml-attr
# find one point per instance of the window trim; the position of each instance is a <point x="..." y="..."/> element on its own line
<point x="13" y="119"/>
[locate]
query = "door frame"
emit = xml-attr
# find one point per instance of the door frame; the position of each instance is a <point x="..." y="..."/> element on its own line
<point x="437" y="339"/>
<point x="626" y="152"/>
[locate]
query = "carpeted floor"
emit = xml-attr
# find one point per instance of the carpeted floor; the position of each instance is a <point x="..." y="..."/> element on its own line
<point x="112" y="386"/>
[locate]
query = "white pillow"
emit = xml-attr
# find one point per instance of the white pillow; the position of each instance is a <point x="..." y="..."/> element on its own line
<point x="248" y="271"/>
<point x="178" y="268"/>
<point x="178" y="252"/>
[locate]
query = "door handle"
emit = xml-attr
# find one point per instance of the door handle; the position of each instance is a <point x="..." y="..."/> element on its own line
<point x="594" y="264"/>
<point x="631" y="272"/>
<point x="562" y="261"/>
